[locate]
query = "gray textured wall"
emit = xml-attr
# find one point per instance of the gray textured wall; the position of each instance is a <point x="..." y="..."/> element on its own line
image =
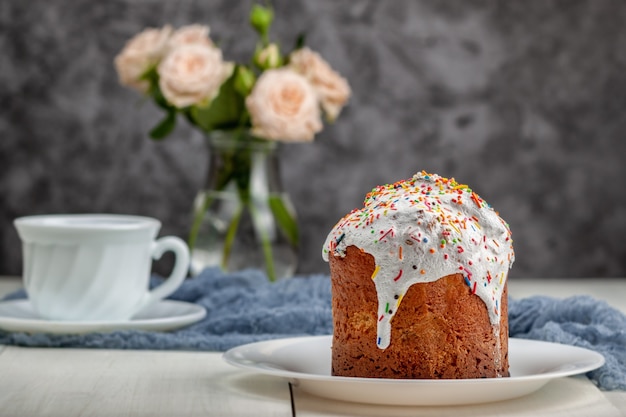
<point x="525" y="101"/>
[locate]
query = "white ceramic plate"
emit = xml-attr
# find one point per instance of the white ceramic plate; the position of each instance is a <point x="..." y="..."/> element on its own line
<point x="306" y="362"/>
<point x="19" y="316"/>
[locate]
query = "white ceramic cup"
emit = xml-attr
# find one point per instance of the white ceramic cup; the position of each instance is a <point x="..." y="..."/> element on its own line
<point x="95" y="267"/>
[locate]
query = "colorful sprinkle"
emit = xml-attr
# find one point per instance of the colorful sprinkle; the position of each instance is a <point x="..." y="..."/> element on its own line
<point x="385" y="235"/>
<point x="375" y="271"/>
<point x="398" y="277"/>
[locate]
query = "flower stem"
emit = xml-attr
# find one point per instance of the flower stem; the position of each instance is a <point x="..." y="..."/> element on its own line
<point x="266" y="245"/>
<point x="197" y="220"/>
<point x="230" y="237"/>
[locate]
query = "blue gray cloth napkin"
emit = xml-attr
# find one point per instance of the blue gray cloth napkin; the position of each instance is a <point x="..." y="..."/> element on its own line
<point x="243" y="307"/>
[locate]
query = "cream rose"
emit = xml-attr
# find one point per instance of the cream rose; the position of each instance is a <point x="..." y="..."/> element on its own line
<point x="139" y="54"/>
<point x="332" y="89"/>
<point x="190" y="35"/>
<point x="192" y="74"/>
<point x="283" y="106"/>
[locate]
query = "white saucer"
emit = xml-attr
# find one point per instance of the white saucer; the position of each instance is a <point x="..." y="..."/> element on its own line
<point x="19" y="316"/>
<point x="306" y="362"/>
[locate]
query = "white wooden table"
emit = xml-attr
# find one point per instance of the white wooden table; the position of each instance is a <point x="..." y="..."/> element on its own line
<point x="83" y="382"/>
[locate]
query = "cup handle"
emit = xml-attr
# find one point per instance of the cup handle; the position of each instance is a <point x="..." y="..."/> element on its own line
<point x="179" y="272"/>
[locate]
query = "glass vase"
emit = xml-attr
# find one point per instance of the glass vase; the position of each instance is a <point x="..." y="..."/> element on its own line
<point x="242" y="217"/>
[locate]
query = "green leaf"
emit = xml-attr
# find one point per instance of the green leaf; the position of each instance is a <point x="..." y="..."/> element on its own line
<point x="151" y="75"/>
<point x="300" y="41"/>
<point x="285" y="219"/>
<point x="159" y="98"/>
<point x="224" y="112"/>
<point x="165" y="127"/>
<point x="244" y="80"/>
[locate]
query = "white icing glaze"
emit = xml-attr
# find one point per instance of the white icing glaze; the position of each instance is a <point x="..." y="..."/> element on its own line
<point x="420" y="230"/>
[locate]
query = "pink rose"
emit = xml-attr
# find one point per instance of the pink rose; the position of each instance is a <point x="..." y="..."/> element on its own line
<point x="140" y="53"/>
<point x="190" y="35"/>
<point x="332" y="89"/>
<point x="283" y="106"/>
<point x="192" y="74"/>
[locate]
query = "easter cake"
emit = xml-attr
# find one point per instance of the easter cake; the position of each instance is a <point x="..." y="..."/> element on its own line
<point x="419" y="284"/>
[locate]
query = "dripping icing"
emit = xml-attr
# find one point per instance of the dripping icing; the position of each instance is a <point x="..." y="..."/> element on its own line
<point x="421" y="229"/>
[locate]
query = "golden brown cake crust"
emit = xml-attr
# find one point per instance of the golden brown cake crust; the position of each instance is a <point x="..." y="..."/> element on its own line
<point x="441" y="329"/>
